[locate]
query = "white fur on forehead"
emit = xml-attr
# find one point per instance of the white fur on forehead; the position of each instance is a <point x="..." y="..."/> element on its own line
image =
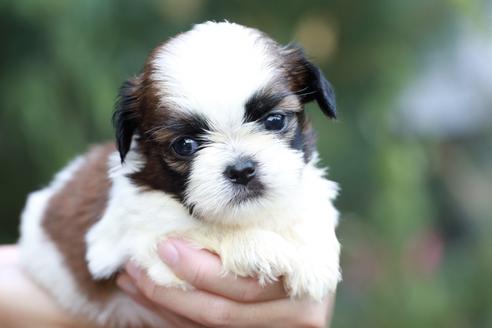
<point x="213" y="70"/>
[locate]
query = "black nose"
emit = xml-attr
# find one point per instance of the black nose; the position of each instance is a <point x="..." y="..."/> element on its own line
<point x="241" y="172"/>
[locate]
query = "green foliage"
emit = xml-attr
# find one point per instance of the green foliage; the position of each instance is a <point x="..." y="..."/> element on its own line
<point x="415" y="210"/>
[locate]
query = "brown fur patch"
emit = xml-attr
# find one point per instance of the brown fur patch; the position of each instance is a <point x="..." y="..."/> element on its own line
<point x="76" y="207"/>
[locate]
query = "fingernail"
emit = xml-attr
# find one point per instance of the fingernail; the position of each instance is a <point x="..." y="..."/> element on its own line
<point x="168" y="253"/>
<point x="133" y="270"/>
<point x="125" y="283"/>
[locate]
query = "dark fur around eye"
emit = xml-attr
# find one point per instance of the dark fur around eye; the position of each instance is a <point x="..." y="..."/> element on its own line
<point x="260" y="104"/>
<point x="179" y="125"/>
<point x="163" y="169"/>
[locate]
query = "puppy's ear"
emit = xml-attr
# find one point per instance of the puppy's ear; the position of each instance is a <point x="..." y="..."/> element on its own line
<point x="308" y="81"/>
<point x="126" y="114"/>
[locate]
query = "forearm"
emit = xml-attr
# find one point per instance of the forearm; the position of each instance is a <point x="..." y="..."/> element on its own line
<point x="23" y="303"/>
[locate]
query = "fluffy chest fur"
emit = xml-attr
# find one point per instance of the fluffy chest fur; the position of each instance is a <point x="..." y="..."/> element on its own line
<point x="276" y="242"/>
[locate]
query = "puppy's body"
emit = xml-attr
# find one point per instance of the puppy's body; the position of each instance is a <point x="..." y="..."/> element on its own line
<point x="213" y="147"/>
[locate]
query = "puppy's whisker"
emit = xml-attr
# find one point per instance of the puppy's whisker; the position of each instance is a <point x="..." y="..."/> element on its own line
<point x="305" y="93"/>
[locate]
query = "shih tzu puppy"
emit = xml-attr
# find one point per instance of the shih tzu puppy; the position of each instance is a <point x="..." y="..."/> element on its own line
<point x="212" y="146"/>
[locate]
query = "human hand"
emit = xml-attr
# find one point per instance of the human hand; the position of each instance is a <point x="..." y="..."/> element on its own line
<point x="218" y="300"/>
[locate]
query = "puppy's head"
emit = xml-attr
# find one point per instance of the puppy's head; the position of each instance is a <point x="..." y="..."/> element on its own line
<point x="218" y="117"/>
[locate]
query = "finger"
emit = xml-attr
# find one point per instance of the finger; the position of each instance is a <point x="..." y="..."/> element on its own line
<point x="126" y="284"/>
<point x="203" y="270"/>
<point x="213" y="311"/>
<point x="174" y="320"/>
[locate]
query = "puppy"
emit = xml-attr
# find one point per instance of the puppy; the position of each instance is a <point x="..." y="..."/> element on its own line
<point x="212" y="146"/>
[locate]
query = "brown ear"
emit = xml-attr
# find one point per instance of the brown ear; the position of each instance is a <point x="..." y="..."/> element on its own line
<point x="126" y="114"/>
<point x="308" y="81"/>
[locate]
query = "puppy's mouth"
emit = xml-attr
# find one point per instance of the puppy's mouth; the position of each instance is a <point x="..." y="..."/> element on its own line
<point x="239" y="195"/>
<point x="243" y="193"/>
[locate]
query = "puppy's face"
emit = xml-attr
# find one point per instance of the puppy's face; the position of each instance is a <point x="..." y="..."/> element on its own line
<point x="218" y="118"/>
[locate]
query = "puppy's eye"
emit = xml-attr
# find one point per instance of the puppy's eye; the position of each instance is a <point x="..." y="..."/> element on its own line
<point x="185" y="146"/>
<point x="274" y="122"/>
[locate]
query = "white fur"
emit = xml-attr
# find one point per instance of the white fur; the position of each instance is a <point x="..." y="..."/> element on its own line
<point x="133" y="223"/>
<point x="213" y="70"/>
<point x="45" y="264"/>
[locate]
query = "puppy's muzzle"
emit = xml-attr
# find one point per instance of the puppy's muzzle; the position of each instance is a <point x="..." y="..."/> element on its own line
<point x="241" y="172"/>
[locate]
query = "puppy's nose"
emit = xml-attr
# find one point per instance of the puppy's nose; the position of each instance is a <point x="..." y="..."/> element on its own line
<point x="241" y="172"/>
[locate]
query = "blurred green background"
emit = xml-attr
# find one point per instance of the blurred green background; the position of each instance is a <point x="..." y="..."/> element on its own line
<point x="411" y="150"/>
